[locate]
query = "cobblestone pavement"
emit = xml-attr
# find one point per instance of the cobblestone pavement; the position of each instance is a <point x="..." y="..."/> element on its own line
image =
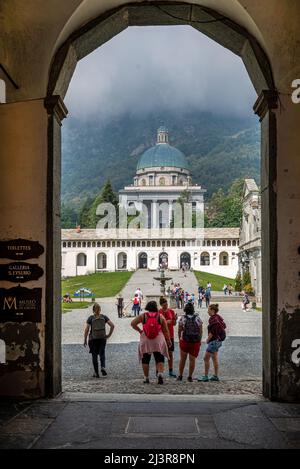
<point x="240" y="356"/>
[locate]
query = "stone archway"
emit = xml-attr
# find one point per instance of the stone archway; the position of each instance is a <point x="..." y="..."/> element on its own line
<point x="163" y="260"/>
<point x="239" y="41"/>
<point x="143" y="260"/>
<point x="280" y="375"/>
<point x="185" y="260"/>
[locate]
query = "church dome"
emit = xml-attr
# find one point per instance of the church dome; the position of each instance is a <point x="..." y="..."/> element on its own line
<point x="162" y="154"/>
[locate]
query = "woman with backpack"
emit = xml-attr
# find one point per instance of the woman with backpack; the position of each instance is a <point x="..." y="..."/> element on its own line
<point x="154" y="338"/>
<point x="136" y="306"/>
<point x="216" y="335"/>
<point x="190" y="335"/>
<point x="96" y="332"/>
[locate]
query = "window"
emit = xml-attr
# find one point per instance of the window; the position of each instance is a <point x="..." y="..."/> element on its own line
<point x="69" y="244"/>
<point x="122" y="261"/>
<point x="204" y="259"/>
<point x="223" y="258"/>
<point x="162" y="181"/>
<point x="101" y="261"/>
<point x="81" y="260"/>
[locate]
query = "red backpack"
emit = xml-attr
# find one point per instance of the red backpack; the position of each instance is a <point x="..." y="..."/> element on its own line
<point x="151" y="325"/>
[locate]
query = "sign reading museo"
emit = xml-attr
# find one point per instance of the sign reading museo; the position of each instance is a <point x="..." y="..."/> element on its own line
<point x="19" y="304"/>
<point x="20" y="249"/>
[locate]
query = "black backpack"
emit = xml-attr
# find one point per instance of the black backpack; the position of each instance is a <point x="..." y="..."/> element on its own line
<point x="98" y="328"/>
<point x="191" y="329"/>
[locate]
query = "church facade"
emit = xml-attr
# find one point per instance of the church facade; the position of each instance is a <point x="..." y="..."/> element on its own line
<point x="162" y="178"/>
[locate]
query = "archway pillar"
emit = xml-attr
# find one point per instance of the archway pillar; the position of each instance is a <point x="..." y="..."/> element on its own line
<point x="280" y="239"/>
<point x="56" y="112"/>
<point x="27" y="186"/>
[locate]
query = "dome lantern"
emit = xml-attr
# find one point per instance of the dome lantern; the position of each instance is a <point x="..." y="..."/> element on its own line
<point x="162" y="135"/>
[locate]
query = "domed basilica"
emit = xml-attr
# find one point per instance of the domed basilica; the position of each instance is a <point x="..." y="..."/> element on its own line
<point x="162" y="177"/>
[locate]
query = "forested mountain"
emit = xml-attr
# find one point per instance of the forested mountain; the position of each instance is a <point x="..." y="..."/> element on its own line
<point x="219" y="150"/>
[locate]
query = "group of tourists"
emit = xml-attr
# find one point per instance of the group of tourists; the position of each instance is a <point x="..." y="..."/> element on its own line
<point x="156" y="330"/>
<point x="228" y="289"/>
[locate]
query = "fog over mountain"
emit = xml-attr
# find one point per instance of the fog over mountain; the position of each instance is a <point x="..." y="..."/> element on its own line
<point x="151" y="68"/>
<point x="151" y="76"/>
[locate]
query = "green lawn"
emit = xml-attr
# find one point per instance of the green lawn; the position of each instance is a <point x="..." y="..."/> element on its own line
<point x="102" y="284"/>
<point x="217" y="281"/>
<point x="65" y="307"/>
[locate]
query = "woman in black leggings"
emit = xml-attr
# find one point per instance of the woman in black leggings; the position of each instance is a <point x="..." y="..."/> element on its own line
<point x="96" y="332"/>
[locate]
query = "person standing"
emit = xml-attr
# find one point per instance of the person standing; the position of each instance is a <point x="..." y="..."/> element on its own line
<point x="95" y="331"/>
<point x="225" y="289"/>
<point x="246" y="301"/>
<point x="136" y="305"/>
<point x="230" y="289"/>
<point x="190" y="335"/>
<point x="216" y="335"/>
<point x="154" y="338"/>
<point x="120" y="306"/>
<point x="200" y="298"/>
<point x="171" y="319"/>
<point x="207" y="297"/>
<point x="139" y="293"/>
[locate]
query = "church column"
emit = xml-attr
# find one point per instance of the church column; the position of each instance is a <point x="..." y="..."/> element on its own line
<point x="154" y="214"/>
<point x="170" y="211"/>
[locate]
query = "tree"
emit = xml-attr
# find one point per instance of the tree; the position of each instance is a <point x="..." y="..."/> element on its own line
<point x="225" y="210"/>
<point x="246" y="278"/>
<point x="88" y="215"/>
<point x="84" y="213"/>
<point x="68" y="217"/>
<point x="238" y="282"/>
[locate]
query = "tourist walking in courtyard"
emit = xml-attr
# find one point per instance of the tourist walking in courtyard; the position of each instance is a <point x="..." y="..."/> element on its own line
<point x="139" y="293"/>
<point x="190" y="335"/>
<point x="246" y="301"/>
<point x="95" y="334"/>
<point x="154" y="338"/>
<point x="120" y="306"/>
<point x="136" y="305"/>
<point x="207" y="296"/>
<point x="216" y="335"/>
<point x="171" y="319"/>
<point x="200" y="299"/>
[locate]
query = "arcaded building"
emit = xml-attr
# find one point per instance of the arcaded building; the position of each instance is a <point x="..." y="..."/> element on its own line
<point x="162" y="177"/>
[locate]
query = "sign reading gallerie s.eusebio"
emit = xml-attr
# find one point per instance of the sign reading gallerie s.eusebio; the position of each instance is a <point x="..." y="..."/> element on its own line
<point x="20" y="249"/>
<point x="20" y="272"/>
<point x="20" y="304"/>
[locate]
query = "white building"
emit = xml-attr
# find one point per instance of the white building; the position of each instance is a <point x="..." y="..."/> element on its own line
<point x="161" y="177"/>
<point x="250" y="236"/>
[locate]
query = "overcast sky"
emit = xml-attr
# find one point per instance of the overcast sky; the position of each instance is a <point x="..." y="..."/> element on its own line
<point x="146" y="68"/>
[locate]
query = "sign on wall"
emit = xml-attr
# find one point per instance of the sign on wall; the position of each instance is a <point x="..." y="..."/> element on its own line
<point x="20" y="249"/>
<point x="20" y="304"/>
<point x="20" y="272"/>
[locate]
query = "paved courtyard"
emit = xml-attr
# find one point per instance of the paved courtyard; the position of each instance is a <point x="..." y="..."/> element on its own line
<point x="130" y="422"/>
<point x="240" y="356"/>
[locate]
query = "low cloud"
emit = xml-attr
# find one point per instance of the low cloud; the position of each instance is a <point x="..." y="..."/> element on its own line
<point x="151" y="68"/>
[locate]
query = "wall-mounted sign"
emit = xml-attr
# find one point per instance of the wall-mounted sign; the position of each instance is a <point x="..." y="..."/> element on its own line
<point x="20" y="249"/>
<point x="20" y="304"/>
<point x="20" y="272"/>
